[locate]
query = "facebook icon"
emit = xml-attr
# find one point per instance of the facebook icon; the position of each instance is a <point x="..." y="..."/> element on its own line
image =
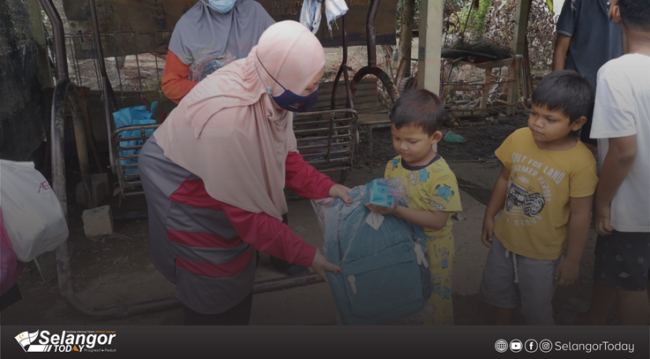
<point x="531" y="345"/>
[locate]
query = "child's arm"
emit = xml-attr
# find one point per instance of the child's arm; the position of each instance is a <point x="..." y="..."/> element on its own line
<point x="497" y="200"/>
<point x="618" y="162"/>
<point x="435" y="220"/>
<point x="567" y="271"/>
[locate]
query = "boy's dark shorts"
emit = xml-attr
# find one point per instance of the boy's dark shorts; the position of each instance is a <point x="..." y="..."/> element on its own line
<point x="623" y="261"/>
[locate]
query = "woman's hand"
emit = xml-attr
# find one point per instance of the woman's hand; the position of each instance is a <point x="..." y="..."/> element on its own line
<point x="320" y="265"/>
<point x="340" y="191"/>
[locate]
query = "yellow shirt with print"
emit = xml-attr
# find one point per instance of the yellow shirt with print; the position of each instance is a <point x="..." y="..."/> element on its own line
<point x="534" y="222"/>
<point x="430" y="187"/>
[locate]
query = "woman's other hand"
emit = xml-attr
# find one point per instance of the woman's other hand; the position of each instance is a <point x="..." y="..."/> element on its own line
<point x="340" y="191"/>
<point x="320" y="265"/>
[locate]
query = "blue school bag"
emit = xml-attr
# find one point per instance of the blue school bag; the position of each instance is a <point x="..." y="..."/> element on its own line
<point x="381" y="279"/>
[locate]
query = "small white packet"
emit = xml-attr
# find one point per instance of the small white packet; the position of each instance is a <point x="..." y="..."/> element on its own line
<point x="375" y="220"/>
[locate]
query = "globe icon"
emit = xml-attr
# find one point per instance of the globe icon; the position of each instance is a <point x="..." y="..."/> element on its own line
<point x="501" y="346"/>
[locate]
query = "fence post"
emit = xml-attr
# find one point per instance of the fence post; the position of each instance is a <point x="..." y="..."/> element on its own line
<point x="519" y="43"/>
<point x="430" y="46"/>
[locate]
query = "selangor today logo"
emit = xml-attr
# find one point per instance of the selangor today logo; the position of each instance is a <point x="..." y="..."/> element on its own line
<point x="67" y="341"/>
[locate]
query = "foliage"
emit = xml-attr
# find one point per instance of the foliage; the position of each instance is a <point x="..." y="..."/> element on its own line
<point x="476" y="22"/>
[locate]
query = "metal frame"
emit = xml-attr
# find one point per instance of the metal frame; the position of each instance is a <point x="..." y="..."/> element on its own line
<point x="130" y="184"/>
<point x="371" y="68"/>
<point x="334" y="134"/>
<point x="127" y="182"/>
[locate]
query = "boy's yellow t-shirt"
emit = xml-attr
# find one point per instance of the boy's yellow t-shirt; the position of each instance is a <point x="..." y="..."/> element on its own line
<point x="535" y="220"/>
<point x="430" y="187"/>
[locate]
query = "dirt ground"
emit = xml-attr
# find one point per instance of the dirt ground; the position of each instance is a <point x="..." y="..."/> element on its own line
<point x="481" y="137"/>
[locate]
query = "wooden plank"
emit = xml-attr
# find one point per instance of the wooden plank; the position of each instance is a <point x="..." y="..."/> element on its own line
<point x="485" y="91"/>
<point x="430" y="44"/>
<point x="521" y="26"/>
<point x="458" y="113"/>
<point x="491" y="64"/>
<point x="374" y="119"/>
<point x="365" y="101"/>
<point x="39" y="37"/>
<point x="519" y="43"/>
<point x="154" y="20"/>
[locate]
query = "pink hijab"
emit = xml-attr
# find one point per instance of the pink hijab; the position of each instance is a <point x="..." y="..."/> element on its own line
<point x="227" y="131"/>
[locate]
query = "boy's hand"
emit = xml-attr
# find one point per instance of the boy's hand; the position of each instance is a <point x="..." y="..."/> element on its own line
<point x="601" y="220"/>
<point x="488" y="231"/>
<point x="567" y="272"/>
<point x="320" y="265"/>
<point x="340" y="191"/>
<point x="381" y="210"/>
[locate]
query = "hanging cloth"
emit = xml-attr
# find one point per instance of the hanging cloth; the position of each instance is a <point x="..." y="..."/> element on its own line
<point x="310" y="15"/>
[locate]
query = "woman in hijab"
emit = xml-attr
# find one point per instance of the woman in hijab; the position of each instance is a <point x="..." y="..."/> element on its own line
<point x="210" y="35"/>
<point x="214" y="175"/>
<point x="207" y="37"/>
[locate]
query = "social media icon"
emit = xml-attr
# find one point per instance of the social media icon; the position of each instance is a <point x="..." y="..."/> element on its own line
<point x="516" y="345"/>
<point x="501" y="346"/>
<point x="531" y="345"/>
<point x="545" y="346"/>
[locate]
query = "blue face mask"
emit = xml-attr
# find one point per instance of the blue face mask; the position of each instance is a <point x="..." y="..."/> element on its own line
<point x="290" y="101"/>
<point x="222" y="6"/>
<point x="293" y="102"/>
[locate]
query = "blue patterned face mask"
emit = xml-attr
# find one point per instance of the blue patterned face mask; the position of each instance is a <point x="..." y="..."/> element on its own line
<point x="293" y="102"/>
<point x="290" y="100"/>
<point x="221" y="6"/>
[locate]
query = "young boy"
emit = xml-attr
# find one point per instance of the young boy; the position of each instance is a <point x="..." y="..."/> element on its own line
<point x="622" y="204"/>
<point x="547" y="183"/>
<point x="433" y="192"/>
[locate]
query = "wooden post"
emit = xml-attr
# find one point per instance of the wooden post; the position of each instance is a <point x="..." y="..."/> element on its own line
<point x="486" y="87"/>
<point x="39" y="37"/>
<point x="405" y="41"/>
<point x="519" y="43"/>
<point x="430" y="45"/>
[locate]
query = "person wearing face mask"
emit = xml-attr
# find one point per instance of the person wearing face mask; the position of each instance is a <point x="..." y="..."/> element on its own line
<point x="210" y="35"/>
<point x="207" y="37"/>
<point x="214" y="175"/>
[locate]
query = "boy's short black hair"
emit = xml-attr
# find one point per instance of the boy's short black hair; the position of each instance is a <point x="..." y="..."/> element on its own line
<point x="635" y="13"/>
<point x="420" y="108"/>
<point x="566" y="91"/>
